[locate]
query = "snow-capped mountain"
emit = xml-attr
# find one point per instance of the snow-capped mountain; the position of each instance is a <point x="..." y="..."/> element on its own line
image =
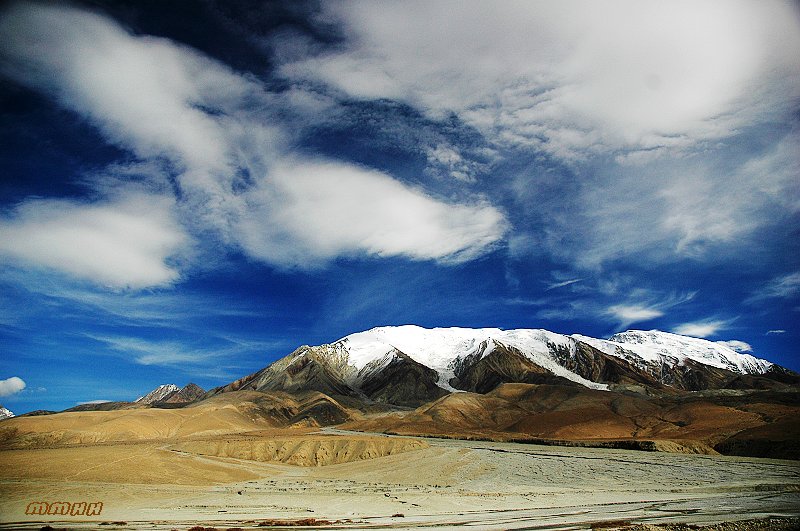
<point x="159" y="393"/>
<point x="410" y="365"/>
<point x="445" y="349"/>
<point x="172" y="394"/>
<point x="5" y="413"/>
<point x="655" y="347"/>
<point x="188" y="393"/>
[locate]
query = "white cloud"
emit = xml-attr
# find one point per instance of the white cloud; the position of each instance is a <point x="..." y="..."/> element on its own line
<point x="649" y="77"/>
<point x="126" y="242"/>
<point x="218" y="131"/>
<point x="311" y="211"/>
<point x="12" y="385"/>
<point x="771" y="332"/>
<point x="91" y="402"/>
<point x="573" y="77"/>
<point x="644" y="305"/>
<point x="703" y="328"/>
<point x="161" y="100"/>
<point x="736" y="345"/>
<point x="630" y="314"/>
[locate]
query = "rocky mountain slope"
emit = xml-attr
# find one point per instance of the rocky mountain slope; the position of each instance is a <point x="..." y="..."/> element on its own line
<point x="411" y="365"/>
<point x="172" y="394"/>
<point x="757" y="423"/>
<point x="226" y="414"/>
<point x="157" y="394"/>
<point x="163" y="396"/>
<point x="188" y="393"/>
<point x="671" y="357"/>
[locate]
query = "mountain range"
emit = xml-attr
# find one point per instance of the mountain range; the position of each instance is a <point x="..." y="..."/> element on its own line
<point x="410" y="365"/>
<point x="163" y="396"/>
<point x="637" y="389"/>
<point x="5" y="413"/>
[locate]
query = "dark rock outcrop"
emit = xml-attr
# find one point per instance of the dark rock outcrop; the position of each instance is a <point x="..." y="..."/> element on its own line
<point x="403" y="382"/>
<point x="481" y="372"/>
<point x="597" y="366"/>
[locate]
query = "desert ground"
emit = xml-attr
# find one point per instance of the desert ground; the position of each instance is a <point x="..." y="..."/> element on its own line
<point x="374" y="482"/>
<point x="248" y="459"/>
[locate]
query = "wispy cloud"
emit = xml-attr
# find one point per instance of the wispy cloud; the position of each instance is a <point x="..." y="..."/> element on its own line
<point x="700" y="208"/>
<point x="615" y="299"/>
<point x="86" y="303"/>
<point x="774" y="332"/>
<point x="644" y="306"/>
<point x="210" y="336"/>
<point x="162" y="353"/>
<point x="782" y="287"/>
<point x="563" y="283"/>
<point x="569" y="309"/>
<point x="212" y="359"/>
<point x="703" y="328"/>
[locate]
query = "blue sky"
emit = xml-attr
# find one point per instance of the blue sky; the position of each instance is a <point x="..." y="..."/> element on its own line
<point x="191" y="190"/>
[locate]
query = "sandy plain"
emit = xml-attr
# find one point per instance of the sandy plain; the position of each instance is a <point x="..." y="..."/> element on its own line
<point x="168" y="484"/>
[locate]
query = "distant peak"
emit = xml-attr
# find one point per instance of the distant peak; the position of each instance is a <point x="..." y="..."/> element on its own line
<point x="159" y="393"/>
<point x="714" y="353"/>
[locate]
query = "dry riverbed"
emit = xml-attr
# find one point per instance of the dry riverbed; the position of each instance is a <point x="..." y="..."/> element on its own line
<point x="432" y="482"/>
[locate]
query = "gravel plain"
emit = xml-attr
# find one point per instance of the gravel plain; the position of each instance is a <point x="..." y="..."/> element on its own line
<point x="450" y="484"/>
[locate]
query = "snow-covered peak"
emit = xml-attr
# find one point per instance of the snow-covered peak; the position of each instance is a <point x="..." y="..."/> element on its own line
<point x="654" y="344"/>
<point x="440" y="348"/>
<point x="5" y="413"/>
<point x="432" y="347"/>
<point x="159" y="393"/>
<point x="446" y="350"/>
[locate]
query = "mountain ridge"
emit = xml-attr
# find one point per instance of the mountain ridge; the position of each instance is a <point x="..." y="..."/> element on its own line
<point x="171" y="394"/>
<point x="5" y="413"/>
<point x="159" y="393"/>
<point x="646" y="390"/>
<point x="410" y="365"/>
